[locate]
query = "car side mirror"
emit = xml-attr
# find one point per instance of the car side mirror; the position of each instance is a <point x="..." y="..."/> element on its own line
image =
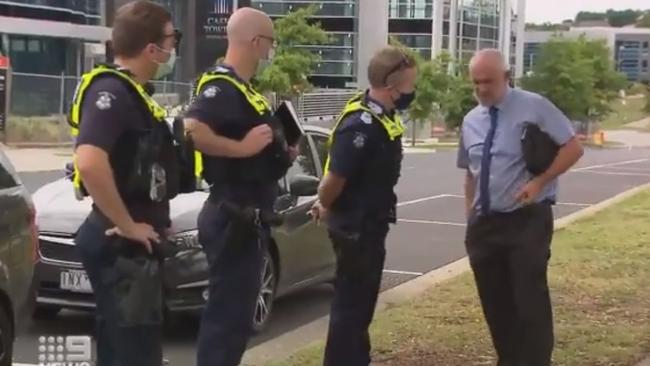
<point x="302" y="185"/>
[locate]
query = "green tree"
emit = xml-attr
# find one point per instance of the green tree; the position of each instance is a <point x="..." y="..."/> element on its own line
<point x="577" y="76"/>
<point x="647" y="101"/>
<point x="292" y="64"/>
<point x="547" y="26"/>
<point x="458" y="101"/>
<point x="644" y="20"/>
<point x="432" y="83"/>
<point x="588" y="15"/>
<point x="607" y="81"/>
<point x="563" y="76"/>
<point x="619" y="18"/>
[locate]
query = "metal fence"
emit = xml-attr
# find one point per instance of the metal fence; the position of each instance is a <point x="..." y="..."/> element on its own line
<point x="39" y="104"/>
<point x="44" y="95"/>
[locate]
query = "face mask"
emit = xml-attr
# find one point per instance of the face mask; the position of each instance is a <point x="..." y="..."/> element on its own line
<point x="166" y="68"/>
<point x="404" y="101"/>
<point x="264" y="63"/>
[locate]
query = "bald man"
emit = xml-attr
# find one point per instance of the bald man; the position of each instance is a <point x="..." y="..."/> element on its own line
<point x="510" y="220"/>
<point x="244" y="155"/>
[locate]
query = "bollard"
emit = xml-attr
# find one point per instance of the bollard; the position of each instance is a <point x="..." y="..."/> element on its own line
<point x="599" y="138"/>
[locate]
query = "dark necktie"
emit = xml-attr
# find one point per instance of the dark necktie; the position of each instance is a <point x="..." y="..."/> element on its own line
<point x="484" y="180"/>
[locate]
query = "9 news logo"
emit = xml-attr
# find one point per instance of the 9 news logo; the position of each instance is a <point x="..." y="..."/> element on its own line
<point x="64" y="351"/>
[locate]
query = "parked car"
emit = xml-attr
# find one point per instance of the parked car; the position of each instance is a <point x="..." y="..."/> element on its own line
<point x="18" y="254"/>
<point x="300" y="254"/>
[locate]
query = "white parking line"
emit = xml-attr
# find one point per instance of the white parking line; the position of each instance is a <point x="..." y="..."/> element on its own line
<point x="432" y="222"/>
<point x="609" y="164"/>
<point x="403" y="272"/>
<point x="629" y="169"/>
<point x="614" y="173"/>
<point x="573" y="204"/>
<point x="424" y="199"/>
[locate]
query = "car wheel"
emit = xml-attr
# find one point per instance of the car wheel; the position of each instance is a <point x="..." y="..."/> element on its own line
<point x="6" y="338"/>
<point x="266" y="295"/>
<point x="46" y="312"/>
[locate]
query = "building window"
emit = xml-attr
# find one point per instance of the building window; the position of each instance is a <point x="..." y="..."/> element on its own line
<point x="342" y="39"/>
<point x="410" y="9"/>
<point x="645" y="44"/>
<point x="18" y="45"/>
<point x="414" y="40"/>
<point x="330" y="68"/>
<point x="644" y="64"/>
<point x="341" y="8"/>
<point x="34" y="45"/>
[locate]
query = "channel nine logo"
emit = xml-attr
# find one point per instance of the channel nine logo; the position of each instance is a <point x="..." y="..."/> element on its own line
<point x="64" y="351"/>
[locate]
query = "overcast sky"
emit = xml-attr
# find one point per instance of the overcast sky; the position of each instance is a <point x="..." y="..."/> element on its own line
<point x="539" y="11"/>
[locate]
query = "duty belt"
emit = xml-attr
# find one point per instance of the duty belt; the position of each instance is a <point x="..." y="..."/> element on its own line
<point x="252" y="214"/>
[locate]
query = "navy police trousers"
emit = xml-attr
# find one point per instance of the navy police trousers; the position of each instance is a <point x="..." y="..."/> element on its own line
<point x="128" y="333"/>
<point x="360" y="263"/>
<point x="235" y="258"/>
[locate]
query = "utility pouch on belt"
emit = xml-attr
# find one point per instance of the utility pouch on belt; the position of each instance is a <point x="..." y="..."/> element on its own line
<point x="347" y="224"/>
<point x="138" y="290"/>
<point x="251" y="215"/>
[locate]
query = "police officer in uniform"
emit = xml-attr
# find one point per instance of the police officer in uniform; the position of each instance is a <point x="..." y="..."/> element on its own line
<point x="244" y="154"/>
<point x="357" y="200"/>
<point x="126" y="161"/>
<point x="510" y="218"/>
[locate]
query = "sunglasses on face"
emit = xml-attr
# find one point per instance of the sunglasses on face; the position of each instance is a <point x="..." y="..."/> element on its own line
<point x="178" y="36"/>
<point x="270" y="39"/>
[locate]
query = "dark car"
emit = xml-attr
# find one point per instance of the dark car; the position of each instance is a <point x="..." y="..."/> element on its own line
<point x="18" y="254"/>
<point x="300" y="255"/>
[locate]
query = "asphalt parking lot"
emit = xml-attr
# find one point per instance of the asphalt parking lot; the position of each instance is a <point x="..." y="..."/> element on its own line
<point x="429" y="235"/>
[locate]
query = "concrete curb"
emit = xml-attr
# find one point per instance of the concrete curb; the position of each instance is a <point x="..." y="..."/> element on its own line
<point x="288" y="343"/>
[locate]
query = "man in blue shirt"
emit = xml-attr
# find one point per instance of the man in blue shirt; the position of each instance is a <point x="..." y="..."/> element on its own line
<point x="510" y="220"/>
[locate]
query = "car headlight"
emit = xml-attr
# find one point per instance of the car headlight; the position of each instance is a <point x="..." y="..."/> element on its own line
<point x="187" y="240"/>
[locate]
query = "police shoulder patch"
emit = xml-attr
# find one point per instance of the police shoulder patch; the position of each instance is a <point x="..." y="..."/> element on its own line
<point x="104" y="100"/>
<point x="211" y="92"/>
<point x="366" y="118"/>
<point x="359" y="140"/>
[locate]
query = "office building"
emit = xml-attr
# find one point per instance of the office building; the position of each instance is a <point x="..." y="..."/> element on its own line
<point x="49" y="43"/>
<point x="51" y="37"/>
<point x="629" y="47"/>
<point x="357" y="27"/>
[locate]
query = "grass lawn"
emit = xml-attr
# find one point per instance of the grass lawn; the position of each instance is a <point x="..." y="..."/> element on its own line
<point x="600" y="283"/>
<point x="51" y="129"/>
<point x="630" y="112"/>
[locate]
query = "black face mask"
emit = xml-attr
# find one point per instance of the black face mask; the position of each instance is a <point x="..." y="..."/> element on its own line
<point x="404" y="101"/>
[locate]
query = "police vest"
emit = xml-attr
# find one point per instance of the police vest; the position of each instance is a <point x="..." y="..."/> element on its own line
<point x="393" y="126"/>
<point x="270" y="165"/>
<point x="153" y="173"/>
<point x="371" y="190"/>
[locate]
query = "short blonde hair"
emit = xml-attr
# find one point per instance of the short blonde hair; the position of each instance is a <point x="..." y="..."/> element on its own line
<point x="385" y="64"/>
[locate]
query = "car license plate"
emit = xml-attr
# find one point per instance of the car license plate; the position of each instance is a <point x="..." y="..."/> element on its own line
<point x="76" y="281"/>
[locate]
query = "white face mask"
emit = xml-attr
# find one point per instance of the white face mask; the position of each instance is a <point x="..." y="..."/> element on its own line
<point x="166" y="68"/>
<point x="264" y="63"/>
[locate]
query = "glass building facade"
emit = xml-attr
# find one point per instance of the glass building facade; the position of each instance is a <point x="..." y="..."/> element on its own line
<point x="629" y="48"/>
<point x="632" y="58"/>
<point x="338" y="60"/>
<point x="73" y="11"/>
<point x="46" y="53"/>
<point x="477" y="25"/>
